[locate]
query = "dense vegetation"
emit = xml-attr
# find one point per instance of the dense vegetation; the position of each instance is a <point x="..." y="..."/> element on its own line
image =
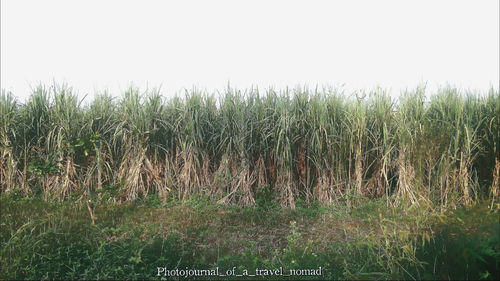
<point x="313" y="145"/>
<point x="362" y="185"/>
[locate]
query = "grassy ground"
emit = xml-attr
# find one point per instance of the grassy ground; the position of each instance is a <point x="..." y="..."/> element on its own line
<point x="371" y="239"/>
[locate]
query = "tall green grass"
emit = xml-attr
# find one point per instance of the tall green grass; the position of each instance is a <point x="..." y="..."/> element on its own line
<point x="321" y="145"/>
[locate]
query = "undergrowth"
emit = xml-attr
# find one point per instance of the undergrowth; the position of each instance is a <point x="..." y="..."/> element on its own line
<point x="47" y="240"/>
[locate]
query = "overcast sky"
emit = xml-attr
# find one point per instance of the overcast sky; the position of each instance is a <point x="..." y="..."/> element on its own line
<point x="96" y="45"/>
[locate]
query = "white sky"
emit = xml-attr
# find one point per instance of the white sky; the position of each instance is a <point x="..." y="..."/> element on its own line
<point x="96" y="45"/>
